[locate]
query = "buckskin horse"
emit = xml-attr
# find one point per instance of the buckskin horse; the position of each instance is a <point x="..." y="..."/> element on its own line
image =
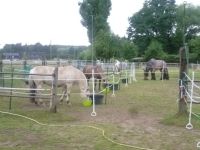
<point x="67" y="77"/>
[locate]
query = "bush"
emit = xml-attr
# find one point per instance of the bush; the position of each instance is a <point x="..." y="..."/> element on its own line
<point x="172" y="58"/>
<point x="154" y="50"/>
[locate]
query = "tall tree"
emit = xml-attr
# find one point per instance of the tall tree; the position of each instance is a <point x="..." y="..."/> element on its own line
<point x="154" y="21"/>
<point x="187" y="17"/>
<point x="94" y="16"/>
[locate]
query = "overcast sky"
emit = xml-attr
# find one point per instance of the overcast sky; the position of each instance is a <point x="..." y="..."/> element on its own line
<point x="58" y="21"/>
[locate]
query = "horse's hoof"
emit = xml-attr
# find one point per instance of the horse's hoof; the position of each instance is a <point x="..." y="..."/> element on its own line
<point x="36" y="104"/>
<point x="61" y="102"/>
<point x="69" y="103"/>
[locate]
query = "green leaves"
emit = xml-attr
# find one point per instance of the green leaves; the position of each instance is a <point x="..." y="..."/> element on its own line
<point x="154" y="50"/>
<point x="154" y="21"/>
<point x="94" y="16"/>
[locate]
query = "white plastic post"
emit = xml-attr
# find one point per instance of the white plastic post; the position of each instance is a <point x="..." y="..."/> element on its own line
<point x="93" y="93"/>
<point x="133" y="71"/>
<point x="126" y="79"/>
<point x="189" y="125"/>
<point x="113" y="94"/>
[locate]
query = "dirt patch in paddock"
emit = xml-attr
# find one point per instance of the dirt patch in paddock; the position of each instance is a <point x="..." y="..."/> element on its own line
<point x="118" y="116"/>
<point x="122" y="117"/>
<point x="131" y="126"/>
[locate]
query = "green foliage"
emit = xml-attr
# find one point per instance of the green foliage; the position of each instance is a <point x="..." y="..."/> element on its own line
<point x="102" y="45"/>
<point x="94" y="16"/>
<point x="129" y="49"/>
<point x="38" y="51"/>
<point x="178" y="120"/>
<point x="155" y="20"/>
<point x="172" y="58"/>
<point x="86" y="55"/>
<point x="195" y="46"/>
<point x="109" y="46"/>
<point x="154" y="50"/>
<point x="187" y="16"/>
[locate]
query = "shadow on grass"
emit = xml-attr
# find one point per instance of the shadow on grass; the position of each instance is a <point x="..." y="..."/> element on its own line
<point x="180" y="120"/>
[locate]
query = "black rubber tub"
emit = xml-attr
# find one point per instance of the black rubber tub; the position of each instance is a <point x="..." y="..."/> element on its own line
<point x="98" y="98"/>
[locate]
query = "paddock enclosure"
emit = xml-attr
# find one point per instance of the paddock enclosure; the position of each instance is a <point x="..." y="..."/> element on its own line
<point x="140" y="115"/>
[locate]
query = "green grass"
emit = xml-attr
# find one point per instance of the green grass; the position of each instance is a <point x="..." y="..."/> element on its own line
<point x="143" y="114"/>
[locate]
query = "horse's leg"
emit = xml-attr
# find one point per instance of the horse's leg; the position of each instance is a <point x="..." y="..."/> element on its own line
<point x="165" y="75"/>
<point x="88" y="81"/>
<point x="32" y="86"/>
<point x="95" y="84"/>
<point x="153" y="75"/>
<point x="162" y="76"/>
<point x="68" y="93"/>
<point x="39" y="99"/>
<point x="99" y="84"/>
<point x="146" y="74"/>
<point x="64" y="93"/>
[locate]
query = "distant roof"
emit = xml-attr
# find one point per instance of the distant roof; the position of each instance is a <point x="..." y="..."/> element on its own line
<point x="11" y="54"/>
<point x="137" y="59"/>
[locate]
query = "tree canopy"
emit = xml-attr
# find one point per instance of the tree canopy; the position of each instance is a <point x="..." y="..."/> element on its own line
<point x="94" y="16"/>
<point x="154" y="21"/>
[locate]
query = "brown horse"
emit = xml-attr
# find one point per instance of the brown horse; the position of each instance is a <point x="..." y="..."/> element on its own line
<point x="98" y="74"/>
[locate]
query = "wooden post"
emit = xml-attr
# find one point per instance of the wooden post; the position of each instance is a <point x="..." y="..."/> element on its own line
<point x="53" y="101"/>
<point x="182" y="106"/>
<point x="11" y="86"/>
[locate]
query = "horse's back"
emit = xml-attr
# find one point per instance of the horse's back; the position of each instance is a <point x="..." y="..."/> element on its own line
<point x="73" y="72"/>
<point x="157" y="64"/>
<point x="87" y="69"/>
<point x="42" y="70"/>
<point x="98" y="71"/>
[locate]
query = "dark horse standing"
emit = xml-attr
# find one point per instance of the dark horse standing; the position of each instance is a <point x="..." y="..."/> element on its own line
<point x="98" y="73"/>
<point x="152" y="65"/>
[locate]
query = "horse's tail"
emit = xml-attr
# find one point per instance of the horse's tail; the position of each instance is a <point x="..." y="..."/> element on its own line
<point x="32" y="87"/>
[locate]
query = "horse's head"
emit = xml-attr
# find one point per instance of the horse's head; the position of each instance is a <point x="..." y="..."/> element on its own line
<point x="85" y="93"/>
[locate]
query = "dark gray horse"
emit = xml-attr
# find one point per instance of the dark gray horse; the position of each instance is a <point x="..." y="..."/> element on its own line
<point x="152" y="65"/>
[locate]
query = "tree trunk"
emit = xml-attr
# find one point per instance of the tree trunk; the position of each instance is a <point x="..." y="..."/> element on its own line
<point x="183" y="81"/>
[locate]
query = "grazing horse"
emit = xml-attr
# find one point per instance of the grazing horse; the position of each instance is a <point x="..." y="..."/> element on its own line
<point x="152" y="65"/>
<point x="98" y="74"/>
<point x="67" y="77"/>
